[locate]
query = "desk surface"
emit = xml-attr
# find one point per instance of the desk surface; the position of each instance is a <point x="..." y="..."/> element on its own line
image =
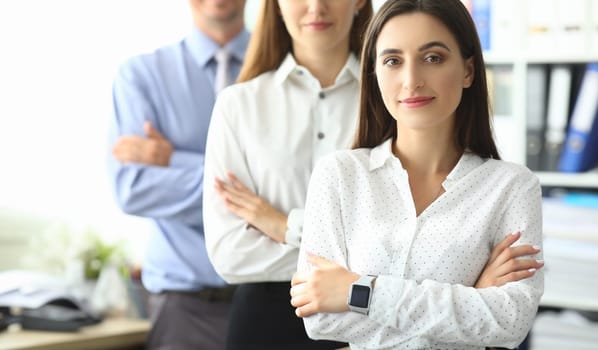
<point x="117" y="333"/>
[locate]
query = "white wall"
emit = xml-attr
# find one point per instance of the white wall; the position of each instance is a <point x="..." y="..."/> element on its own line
<point x="56" y="68"/>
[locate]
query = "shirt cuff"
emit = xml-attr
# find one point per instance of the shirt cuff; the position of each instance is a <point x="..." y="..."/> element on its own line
<point x="294" y="228"/>
<point x="385" y="300"/>
<point x="182" y="159"/>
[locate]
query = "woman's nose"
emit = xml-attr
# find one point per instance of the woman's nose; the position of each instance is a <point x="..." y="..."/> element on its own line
<point x="412" y="79"/>
<point x="316" y="6"/>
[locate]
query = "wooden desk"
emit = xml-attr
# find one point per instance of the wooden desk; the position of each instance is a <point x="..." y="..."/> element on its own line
<point x="117" y="333"/>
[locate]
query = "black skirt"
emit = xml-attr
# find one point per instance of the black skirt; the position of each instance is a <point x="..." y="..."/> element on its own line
<point x="262" y="317"/>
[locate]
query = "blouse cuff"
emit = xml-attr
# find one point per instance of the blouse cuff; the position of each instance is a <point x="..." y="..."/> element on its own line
<point x="385" y="300"/>
<point x="294" y="228"/>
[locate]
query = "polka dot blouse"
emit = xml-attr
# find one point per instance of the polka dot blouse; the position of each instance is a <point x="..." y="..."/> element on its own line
<point x="360" y="213"/>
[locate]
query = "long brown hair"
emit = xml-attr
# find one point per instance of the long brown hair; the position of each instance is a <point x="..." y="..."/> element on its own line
<point x="270" y="41"/>
<point x="472" y="123"/>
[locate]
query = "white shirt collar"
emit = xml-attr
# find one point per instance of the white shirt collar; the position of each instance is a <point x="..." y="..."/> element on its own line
<point x="380" y="154"/>
<point x="468" y="161"/>
<point x="350" y="70"/>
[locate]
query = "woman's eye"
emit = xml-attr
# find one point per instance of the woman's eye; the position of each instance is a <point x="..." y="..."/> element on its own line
<point x="391" y="62"/>
<point x="433" y="59"/>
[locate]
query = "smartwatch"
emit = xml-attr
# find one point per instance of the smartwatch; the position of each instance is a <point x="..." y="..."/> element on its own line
<point x="361" y="294"/>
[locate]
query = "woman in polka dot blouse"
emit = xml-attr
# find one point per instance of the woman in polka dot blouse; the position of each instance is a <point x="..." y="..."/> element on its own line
<point x="397" y="231"/>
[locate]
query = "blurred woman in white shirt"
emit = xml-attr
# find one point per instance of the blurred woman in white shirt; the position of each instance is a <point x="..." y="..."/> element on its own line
<point x="296" y="102"/>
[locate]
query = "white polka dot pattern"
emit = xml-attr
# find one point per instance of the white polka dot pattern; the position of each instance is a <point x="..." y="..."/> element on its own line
<point x="360" y="213"/>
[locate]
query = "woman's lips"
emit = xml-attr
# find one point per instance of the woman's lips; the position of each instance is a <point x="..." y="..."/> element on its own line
<point x="319" y="25"/>
<point x="414" y="102"/>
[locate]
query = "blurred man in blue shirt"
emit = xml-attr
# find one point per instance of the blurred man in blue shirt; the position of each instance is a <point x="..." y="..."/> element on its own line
<point x="162" y="103"/>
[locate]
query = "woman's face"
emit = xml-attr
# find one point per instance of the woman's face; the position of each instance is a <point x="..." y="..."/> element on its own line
<point x="319" y="26"/>
<point x="420" y="71"/>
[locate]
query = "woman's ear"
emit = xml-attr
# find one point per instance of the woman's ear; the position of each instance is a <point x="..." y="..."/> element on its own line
<point x="469" y="73"/>
<point x="360" y="4"/>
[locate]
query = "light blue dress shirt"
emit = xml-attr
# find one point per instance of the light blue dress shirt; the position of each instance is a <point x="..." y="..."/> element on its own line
<point x="172" y="88"/>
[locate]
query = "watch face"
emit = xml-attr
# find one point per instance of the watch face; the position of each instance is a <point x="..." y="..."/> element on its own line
<point x="360" y="296"/>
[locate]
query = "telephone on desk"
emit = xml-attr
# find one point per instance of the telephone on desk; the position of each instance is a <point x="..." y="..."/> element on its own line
<point x="44" y="304"/>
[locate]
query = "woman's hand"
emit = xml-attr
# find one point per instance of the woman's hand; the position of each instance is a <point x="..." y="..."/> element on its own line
<point x="241" y="201"/>
<point x="506" y="265"/>
<point x="323" y="289"/>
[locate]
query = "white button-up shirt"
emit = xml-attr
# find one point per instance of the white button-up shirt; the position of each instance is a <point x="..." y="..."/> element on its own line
<point x="360" y="213"/>
<point x="270" y="132"/>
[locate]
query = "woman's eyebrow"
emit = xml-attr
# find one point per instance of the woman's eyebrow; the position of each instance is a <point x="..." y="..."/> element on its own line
<point x="424" y="47"/>
<point x="433" y="44"/>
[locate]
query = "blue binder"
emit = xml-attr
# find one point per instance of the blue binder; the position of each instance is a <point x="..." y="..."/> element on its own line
<point x="481" y="16"/>
<point x="580" y="152"/>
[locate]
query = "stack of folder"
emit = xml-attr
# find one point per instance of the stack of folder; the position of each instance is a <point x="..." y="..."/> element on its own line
<point x="571" y="279"/>
<point x="570" y="251"/>
<point x="568" y="329"/>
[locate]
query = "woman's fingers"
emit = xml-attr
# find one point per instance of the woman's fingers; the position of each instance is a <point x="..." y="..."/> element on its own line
<point x="299" y="277"/>
<point x="306" y="310"/>
<point x="299" y="301"/>
<point x="516" y="276"/>
<point x="299" y="296"/>
<point x="511" y="264"/>
<point x="503" y="245"/>
<point x="319" y="262"/>
<point x="236" y="182"/>
<point x="233" y="195"/>
<point x="516" y="265"/>
<point x="516" y="252"/>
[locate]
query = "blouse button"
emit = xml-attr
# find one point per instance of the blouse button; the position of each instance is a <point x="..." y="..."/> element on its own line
<point x="320" y="135"/>
<point x="322" y="94"/>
